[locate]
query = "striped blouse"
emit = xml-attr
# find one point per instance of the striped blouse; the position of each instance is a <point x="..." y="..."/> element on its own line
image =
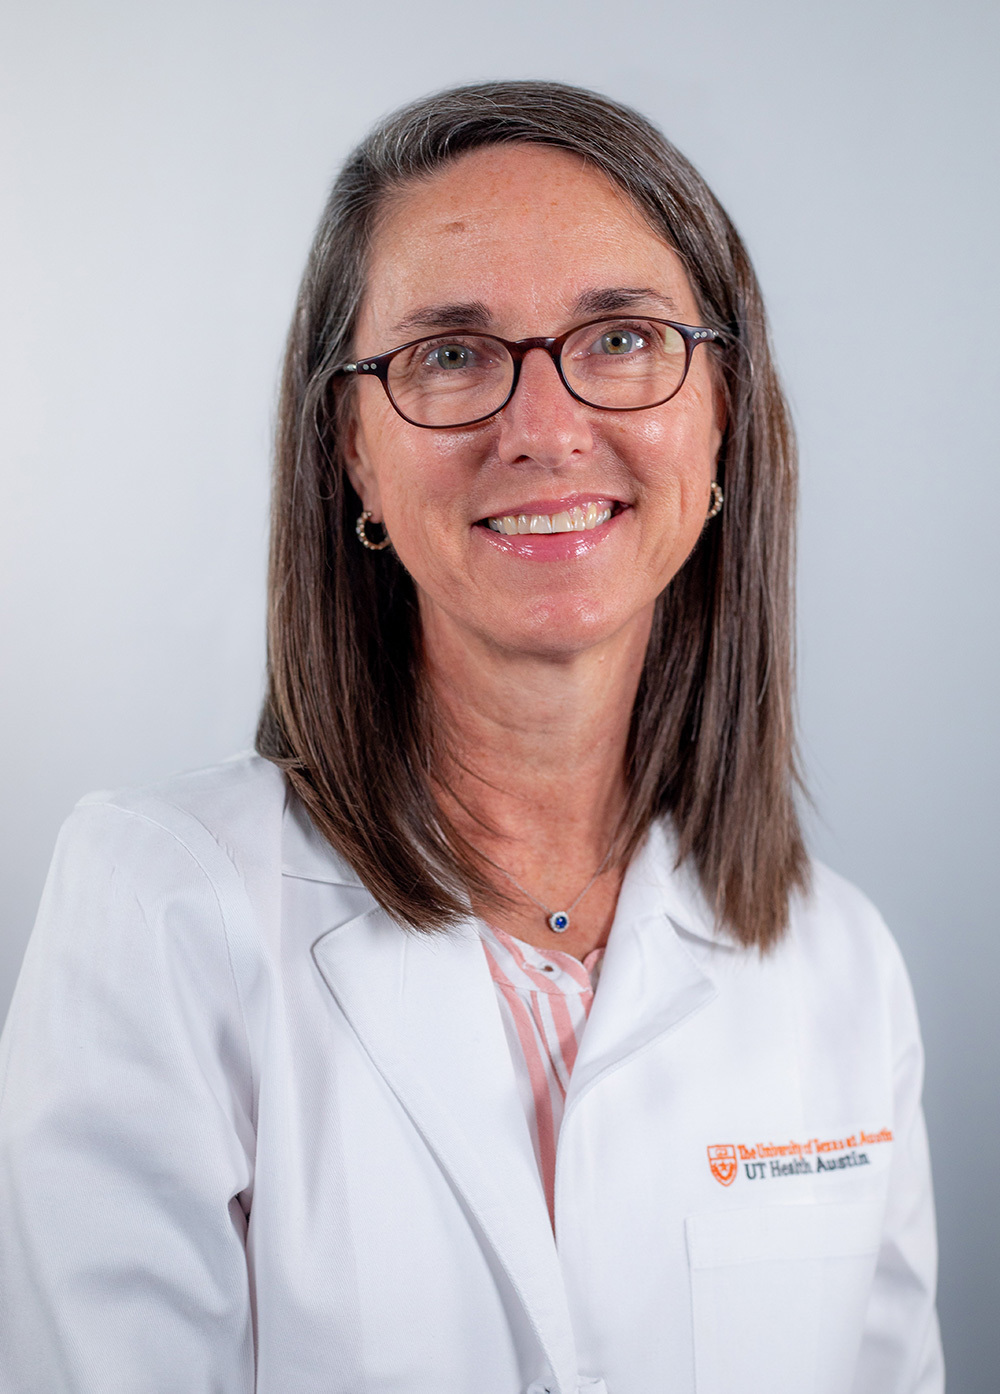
<point x="545" y="998"/>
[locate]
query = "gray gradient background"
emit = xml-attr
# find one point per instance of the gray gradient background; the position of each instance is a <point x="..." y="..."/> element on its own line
<point x="163" y="165"/>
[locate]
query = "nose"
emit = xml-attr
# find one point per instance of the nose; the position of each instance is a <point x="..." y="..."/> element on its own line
<point x="542" y="424"/>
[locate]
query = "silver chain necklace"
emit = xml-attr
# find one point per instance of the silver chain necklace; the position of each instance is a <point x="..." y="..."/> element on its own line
<point x="557" y="920"/>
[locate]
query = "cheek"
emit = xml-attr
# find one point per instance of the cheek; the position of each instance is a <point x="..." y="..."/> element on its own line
<point x="422" y="483"/>
<point x="671" y="455"/>
<point x="410" y="467"/>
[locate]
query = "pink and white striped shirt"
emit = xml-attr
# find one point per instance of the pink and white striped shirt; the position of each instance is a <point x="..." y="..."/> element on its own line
<point x="545" y="999"/>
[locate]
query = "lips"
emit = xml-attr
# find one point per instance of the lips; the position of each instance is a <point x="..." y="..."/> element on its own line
<point x="553" y="530"/>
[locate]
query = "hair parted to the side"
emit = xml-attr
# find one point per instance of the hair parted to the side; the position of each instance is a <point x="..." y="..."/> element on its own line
<point x="712" y="741"/>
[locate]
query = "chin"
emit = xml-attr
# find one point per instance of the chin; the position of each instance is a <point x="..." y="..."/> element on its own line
<point x="559" y="628"/>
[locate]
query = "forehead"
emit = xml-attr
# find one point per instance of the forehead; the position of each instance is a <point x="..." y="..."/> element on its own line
<point x="523" y="230"/>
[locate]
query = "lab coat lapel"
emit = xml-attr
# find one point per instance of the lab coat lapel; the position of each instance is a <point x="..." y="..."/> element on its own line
<point x="424" y="1007"/>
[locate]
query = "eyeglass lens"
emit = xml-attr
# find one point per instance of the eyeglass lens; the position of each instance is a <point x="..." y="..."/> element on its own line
<point x="453" y="379"/>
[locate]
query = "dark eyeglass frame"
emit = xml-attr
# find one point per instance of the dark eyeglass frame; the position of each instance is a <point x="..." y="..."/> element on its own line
<point x="378" y="365"/>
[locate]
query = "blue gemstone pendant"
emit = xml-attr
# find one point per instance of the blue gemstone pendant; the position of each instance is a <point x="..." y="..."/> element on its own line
<point x="559" y="922"/>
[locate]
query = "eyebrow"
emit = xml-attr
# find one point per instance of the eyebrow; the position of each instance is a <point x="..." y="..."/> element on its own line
<point x="475" y="315"/>
<point x="607" y="299"/>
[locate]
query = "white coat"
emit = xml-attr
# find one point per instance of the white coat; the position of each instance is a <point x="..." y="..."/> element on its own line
<point x="256" y="1136"/>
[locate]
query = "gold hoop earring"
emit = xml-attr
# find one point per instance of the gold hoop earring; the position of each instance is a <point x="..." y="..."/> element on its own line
<point x="717" y="502"/>
<point x="361" y="526"/>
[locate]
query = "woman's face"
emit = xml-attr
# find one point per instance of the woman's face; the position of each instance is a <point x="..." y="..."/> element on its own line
<point x="521" y="241"/>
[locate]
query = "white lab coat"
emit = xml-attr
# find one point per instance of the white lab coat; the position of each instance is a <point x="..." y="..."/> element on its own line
<point x="254" y="1135"/>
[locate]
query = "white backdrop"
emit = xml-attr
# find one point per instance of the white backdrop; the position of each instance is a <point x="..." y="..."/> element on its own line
<point x="163" y="165"/>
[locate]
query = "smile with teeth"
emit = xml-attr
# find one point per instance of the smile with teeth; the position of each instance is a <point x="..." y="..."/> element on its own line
<point x="580" y="519"/>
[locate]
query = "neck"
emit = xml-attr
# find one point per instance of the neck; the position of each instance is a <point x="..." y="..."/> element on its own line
<point x="533" y="769"/>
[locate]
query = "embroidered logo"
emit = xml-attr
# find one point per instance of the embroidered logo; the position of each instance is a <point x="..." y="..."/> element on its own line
<point x="722" y="1160"/>
<point x="764" y="1161"/>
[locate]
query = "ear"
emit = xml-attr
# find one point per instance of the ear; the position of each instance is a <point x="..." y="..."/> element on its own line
<point x="357" y="461"/>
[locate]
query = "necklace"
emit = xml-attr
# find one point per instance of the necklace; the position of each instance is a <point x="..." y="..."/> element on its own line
<point x="557" y="920"/>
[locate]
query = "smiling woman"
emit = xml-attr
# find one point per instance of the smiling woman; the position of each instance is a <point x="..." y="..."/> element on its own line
<point x="476" y="220"/>
<point x="457" y="1042"/>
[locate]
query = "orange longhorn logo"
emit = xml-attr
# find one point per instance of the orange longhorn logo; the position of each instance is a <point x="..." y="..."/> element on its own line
<point x="722" y="1160"/>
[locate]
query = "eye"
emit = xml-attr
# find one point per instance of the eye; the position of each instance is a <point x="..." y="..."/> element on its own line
<point x="450" y="356"/>
<point x="620" y="342"/>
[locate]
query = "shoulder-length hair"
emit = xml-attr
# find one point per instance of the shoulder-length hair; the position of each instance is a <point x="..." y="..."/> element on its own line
<point x="346" y="715"/>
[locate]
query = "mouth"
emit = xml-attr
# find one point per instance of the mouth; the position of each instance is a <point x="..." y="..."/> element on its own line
<point x="536" y="519"/>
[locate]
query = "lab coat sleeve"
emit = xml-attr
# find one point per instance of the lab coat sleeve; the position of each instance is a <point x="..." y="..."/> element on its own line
<point x="125" y="1128"/>
<point x="901" y="1348"/>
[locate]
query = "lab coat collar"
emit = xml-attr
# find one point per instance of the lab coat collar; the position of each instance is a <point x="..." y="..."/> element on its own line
<point x="650" y="981"/>
<point x="305" y="852"/>
<point x="653" y="883"/>
<point x="657" y="884"/>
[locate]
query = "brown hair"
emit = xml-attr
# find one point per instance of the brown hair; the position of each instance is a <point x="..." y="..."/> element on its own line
<point x="346" y="716"/>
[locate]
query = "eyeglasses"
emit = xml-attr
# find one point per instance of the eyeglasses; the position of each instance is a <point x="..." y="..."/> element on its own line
<point x="617" y="364"/>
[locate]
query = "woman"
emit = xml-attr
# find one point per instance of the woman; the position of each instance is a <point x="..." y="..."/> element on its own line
<point x="492" y="1032"/>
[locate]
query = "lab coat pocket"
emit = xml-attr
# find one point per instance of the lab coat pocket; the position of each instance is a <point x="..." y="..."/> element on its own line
<point x="779" y="1295"/>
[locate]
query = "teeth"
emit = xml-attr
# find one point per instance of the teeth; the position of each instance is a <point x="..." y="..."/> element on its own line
<point x="570" y="520"/>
